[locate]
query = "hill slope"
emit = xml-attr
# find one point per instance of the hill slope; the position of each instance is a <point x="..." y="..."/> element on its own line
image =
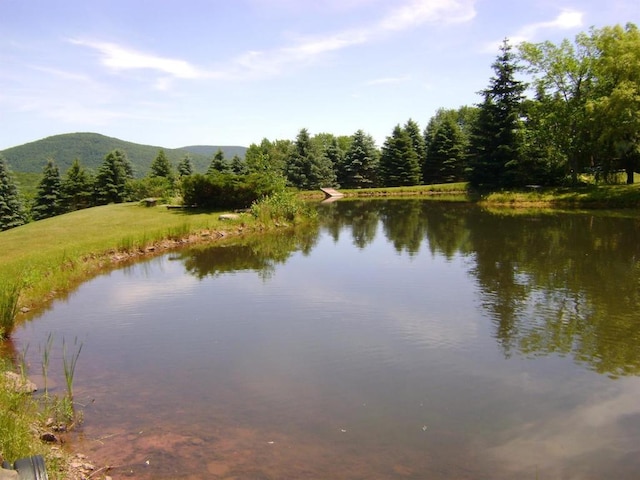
<point x="91" y="148"/>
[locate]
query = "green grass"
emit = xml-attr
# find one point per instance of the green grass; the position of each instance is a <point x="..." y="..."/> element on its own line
<point x="590" y="196"/>
<point x="51" y="256"/>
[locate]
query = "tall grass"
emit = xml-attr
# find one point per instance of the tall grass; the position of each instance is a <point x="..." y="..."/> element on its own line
<point x="69" y="363"/>
<point x="9" y="298"/>
<point x="281" y="207"/>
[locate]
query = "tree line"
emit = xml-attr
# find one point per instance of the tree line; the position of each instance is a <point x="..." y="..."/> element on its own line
<point x="579" y="114"/>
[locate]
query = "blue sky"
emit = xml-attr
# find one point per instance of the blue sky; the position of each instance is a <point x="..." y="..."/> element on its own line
<point x="189" y="72"/>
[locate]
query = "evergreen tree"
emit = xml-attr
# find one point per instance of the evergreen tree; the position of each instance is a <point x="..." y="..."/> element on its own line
<point x="496" y="140"/>
<point x="185" y="167"/>
<point x="48" y="201"/>
<point x="445" y="160"/>
<point x="77" y="188"/>
<point x="399" y="164"/>
<point x="112" y="177"/>
<point x="12" y="212"/>
<point x="238" y="166"/>
<point x="360" y="165"/>
<point x="306" y="167"/>
<point x="161" y="167"/>
<point x="218" y="164"/>
<point x="417" y="140"/>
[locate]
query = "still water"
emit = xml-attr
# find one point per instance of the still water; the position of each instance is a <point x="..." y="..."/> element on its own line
<point x="396" y="339"/>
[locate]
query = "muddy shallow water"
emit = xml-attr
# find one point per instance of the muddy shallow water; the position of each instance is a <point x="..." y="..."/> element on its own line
<point x="396" y="340"/>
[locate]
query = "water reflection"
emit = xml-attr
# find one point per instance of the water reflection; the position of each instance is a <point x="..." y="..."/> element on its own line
<point x="393" y="339"/>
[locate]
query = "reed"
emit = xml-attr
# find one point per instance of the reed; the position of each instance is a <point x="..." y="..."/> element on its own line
<point x="46" y="357"/>
<point x="9" y="298"/>
<point x="69" y="363"/>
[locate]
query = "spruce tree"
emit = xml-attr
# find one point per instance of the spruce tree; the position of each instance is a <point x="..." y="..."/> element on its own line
<point x="218" y="164"/>
<point x="161" y="167"/>
<point x="306" y="167"/>
<point x="399" y="165"/>
<point x="12" y="212"/>
<point x="185" y="167"/>
<point x="417" y="140"/>
<point x="360" y="166"/>
<point x="49" y="197"/>
<point x="77" y="188"/>
<point x="112" y="177"/>
<point x="238" y="166"/>
<point x="445" y="161"/>
<point x="496" y="140"/>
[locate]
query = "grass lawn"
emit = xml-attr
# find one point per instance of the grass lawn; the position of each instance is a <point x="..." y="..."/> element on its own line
<point x="56" y="253"/>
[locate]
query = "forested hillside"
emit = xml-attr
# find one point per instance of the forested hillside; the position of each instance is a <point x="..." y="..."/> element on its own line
<point x="91" y="149"/>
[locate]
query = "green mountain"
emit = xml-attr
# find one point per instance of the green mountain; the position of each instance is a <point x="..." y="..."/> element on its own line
<point x="91" y="148"/>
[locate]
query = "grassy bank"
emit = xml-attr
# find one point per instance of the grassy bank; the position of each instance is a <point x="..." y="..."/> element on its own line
<point x="46" y="259"/>
<point x="587" y="196"/>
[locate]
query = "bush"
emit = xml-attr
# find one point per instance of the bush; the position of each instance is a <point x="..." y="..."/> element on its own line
<point x="227" y="190"/>
<point x="281" y="206"/>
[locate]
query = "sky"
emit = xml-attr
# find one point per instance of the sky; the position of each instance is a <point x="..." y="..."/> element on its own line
<point x="174" y="73"/>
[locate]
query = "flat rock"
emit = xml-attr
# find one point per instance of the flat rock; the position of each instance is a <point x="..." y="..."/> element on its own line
<point x="229" y="216"/>
<point x="19" y="384"/>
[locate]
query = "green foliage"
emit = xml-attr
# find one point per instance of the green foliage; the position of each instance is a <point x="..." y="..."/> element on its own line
<point x="49" y="196"/>
<point x="496" y="141"/>
<point x="218" y="164"/>
<point x="11" y="209"/>
<point x="112" y="177"/>
<point x="307" y="167"/>
<point x="185" y="167"/>
<point x="228" y="190"/>
<point x="149" y="187"/>
<point x="77" y="188"/>
<point x="238" y="166"/>
<point x="446" y="151"/>
<point x="399" y="162"/>
<point x="91" y="148"/>
<point x="360" y="166"/>
<point x="161" y="167"/>
<point x="280" y="206"/>
<point x="9" y="297"/>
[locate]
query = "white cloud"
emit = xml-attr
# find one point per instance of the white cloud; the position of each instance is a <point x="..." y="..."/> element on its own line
<point x="566" y="20"/>
<point x="303" y="51"/>
<point x="118" y="58"/>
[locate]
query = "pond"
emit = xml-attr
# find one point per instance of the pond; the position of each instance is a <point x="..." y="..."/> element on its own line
<point x="401" y="339"/>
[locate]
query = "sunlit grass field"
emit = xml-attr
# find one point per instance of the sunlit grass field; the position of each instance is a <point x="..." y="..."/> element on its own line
<point x="56" y="253"/>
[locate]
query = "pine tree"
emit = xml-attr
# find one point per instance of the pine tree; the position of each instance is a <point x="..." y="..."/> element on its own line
<point x="496" y="140"/>
<point x="218" y="164"/>
<point x="399" y="164"/>
<point x="306" y="167"/>
<point x="49" y="198"/>
<point x="112" y="177"/>
<point x="445" y="161"/>
<point x="238" y="166"/>
<point x="12" y="212"/>
<point x="417" y="140"/>
<point x="77" y="188"/>
<point x="185" y="167"/>
<point x="360" y="165"/>
<point x="161" y="167"/>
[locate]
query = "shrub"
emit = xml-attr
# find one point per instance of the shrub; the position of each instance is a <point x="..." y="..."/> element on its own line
<point x="227" y="190"/>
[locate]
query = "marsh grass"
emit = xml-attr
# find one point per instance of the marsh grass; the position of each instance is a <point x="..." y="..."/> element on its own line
<point x="69" y="363"/>
<point x="281" y="206"/>
<point x="9" y="298"/>
<point x="46" y="358"/>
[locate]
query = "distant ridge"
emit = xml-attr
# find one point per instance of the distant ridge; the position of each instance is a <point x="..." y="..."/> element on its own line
<point x="91" y="148"/>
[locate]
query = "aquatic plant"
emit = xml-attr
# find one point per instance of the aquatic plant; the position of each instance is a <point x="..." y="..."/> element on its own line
<point x="9" y="296"/>
<point x="69" y="363"/>
<point x="46" y="357"/>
